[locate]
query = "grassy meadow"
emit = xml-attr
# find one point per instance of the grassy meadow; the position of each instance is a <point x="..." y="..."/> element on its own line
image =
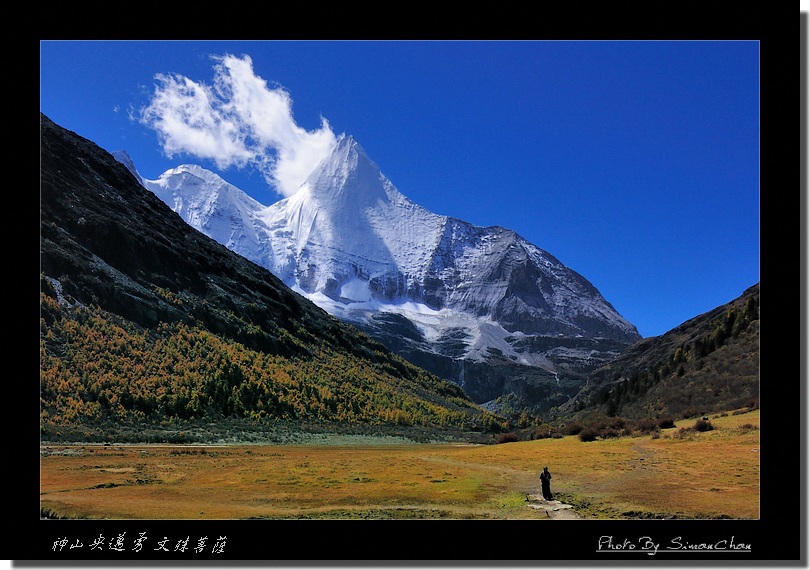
<point x="678" y="473"/>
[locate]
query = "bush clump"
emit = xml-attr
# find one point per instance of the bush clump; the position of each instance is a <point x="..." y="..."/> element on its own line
<point x="666" y="423"/>
<point x="646" y="425"/>
<point x="703" y="425"/>
<point x="544" y="431"/>
<point x="507" y="437"/>
<point x="573" y="428"/>
<point x="588" y="434"/>
<point x="612" y="427"/>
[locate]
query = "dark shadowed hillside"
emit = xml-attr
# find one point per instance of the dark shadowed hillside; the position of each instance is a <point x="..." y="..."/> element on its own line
<point x="150" y="327"/>
<point x="709" y="363"/>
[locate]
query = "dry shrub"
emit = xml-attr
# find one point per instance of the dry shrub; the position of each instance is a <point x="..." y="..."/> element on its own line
<point x="684" y="432"/>
<point x="588" y="434"/>
<point x="666" y="423"/>
<point x="613" y="427"/>
<point x="507" y="437"/>
<point x="703" y="425"/>
<point x="543" y="431"/>
<point x="646" y="425"/>
<point x="573" y="428"/>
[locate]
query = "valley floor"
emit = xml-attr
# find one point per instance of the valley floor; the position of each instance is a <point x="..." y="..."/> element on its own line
<point x="679" y="474"/>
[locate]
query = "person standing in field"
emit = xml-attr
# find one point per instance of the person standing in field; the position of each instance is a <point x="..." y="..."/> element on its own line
<point x="545" y="482"/>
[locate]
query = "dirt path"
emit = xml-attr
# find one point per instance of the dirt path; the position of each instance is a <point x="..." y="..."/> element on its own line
<point x="554" y="509"/>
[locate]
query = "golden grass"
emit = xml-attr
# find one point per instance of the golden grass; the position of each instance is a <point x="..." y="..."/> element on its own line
<point x="700" y="475"/>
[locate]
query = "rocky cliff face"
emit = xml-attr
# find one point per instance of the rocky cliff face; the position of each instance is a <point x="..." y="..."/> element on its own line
<point x="462" y="301"/>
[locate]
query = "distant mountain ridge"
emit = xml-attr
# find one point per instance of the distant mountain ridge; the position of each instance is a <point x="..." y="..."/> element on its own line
<point x="146" y="321"/>
<point x="452" y="297"/>
<point x="709" y="363"/>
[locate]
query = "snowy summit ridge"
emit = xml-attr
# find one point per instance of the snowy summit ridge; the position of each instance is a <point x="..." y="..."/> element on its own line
<point x="356" y="246"/>
<point x="349" y="234"/>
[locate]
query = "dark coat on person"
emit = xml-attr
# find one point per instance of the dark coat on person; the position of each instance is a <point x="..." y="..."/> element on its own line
<point x="545" y="482"/>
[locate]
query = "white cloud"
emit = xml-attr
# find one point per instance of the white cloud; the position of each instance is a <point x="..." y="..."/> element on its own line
<point x="237" y="121"/>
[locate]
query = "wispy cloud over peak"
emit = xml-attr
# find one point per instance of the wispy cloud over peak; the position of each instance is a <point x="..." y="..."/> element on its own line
<point x="239" y="120"/>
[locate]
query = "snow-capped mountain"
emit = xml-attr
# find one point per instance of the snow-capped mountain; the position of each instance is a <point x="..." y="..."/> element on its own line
<point x="439" y="290"/>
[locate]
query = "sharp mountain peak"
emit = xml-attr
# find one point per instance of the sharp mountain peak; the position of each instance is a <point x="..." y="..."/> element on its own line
<point x="350" y="241"/>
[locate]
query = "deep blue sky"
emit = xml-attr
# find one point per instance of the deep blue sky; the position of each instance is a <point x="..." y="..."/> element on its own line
<point x="634" y="163"/>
